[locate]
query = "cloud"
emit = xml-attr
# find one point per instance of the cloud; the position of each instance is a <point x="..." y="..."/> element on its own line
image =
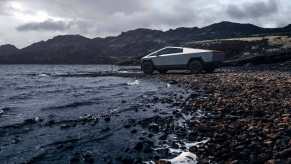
<point x="48" y="25"/>
<point x="3" y="8"/>
<point x="253" y="9"/>
<point x="44" y="19"/>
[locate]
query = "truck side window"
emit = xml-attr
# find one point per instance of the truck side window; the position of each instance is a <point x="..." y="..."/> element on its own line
<point x="170" y="51"/>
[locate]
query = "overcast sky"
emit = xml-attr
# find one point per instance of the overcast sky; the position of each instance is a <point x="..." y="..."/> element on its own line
<point x="23" y="22"/>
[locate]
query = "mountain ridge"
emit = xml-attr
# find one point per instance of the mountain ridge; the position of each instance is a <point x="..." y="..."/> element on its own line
<point x="77" y="49"/>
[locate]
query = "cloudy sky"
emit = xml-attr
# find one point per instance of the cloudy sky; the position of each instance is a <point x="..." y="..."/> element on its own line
<point x="23" y="22"/>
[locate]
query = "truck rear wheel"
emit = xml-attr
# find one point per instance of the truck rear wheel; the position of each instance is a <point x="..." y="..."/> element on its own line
<point x="195" y="66"/>
<point x="162" y="71"/>
<point x="209" y="69"/>
<point x="147" y="67"/>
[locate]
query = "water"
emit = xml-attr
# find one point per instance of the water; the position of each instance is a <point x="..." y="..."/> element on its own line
<point x="46" y="117"/>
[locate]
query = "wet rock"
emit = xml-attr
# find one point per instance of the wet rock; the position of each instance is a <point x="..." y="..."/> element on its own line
<point x="127" y="126"/>
<point x="88" y="158"/>
<point x="155" y="99"/>
<point x="133" y="131"/>
<point x="30" y="121"/>
<point x="76" y="159"/>
<point x="4" y="110"/>
<point x="15" y="140"/>
<point x="139" y="146"/>
<point x="107" y="119"/>
<point x="144" y="146"/>
<point x="50" y="122"/>
<point x="286" y="153"/>
<point x="173" y="82"/>
<point x="150" y="135"/>
<point x="163" y="137"/>
<point x="154" y="127"/>
<point x="156" y="110"/>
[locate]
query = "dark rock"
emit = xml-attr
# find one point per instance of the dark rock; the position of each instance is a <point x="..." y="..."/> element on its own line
<point x="139" y="146"/>
<point x="50" y="123"/>
<point x="127" y="126"/>
<point x="156" y="99"/>
<point x="6" y="109"/>
<point x="134" y="131"/>
<point x="107" y="119"/>
<point x="173" y="82"/>
<point x="163" y="137"/>
<point x="30" y="121"/>
<point x="150" y="135"/>
<point x="154" y="127"/>
<point x="89" y="159"/>
<point x="127" y="160"/>
<point x="75" y="160"/>
<point x="284" y="153"/>
<point x="15" y="140"/>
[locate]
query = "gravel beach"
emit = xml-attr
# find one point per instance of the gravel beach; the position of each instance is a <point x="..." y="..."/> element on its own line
<point x="246" y="114"/>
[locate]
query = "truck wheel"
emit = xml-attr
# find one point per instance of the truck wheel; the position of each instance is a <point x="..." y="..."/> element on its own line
<point x="209" y="69"/>
<point x="147" y="67"/>
<point x="195" y="66"/>
<point x="162" y="71"/>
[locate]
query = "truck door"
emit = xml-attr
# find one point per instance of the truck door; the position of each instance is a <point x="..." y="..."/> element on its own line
<point x="168" y="57"/>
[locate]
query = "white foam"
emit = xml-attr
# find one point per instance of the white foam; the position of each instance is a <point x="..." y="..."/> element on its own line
<point x="123" y="71"/>
<point x="176" y="151"/>
<point x="197" y="144"/>
<point x="184" y="158"/>
<point x="43" y="75"/>
<point x="136" y="82"/>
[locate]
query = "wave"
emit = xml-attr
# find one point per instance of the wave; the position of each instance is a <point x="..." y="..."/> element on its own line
<point x="72" y="105"/>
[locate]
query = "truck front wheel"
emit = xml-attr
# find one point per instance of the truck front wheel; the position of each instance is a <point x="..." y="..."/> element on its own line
<point x="195" y="66"/>
<point x="147" y="67"/>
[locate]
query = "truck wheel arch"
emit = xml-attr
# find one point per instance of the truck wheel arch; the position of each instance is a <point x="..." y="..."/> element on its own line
<point x="195" y="59"/>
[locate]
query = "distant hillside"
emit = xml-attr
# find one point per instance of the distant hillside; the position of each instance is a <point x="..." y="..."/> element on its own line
<point x="8" y="49"/>
<point x="76" y="49"/>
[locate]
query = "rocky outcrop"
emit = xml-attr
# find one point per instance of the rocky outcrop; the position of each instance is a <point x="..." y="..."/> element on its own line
<point x="254" y="50"/>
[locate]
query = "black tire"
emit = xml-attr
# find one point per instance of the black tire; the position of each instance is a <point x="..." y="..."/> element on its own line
<point x="163" y="71"/>
<point x="195" y="66"/>
<point x="147" y="67"/>
<point x="209" y="69"/>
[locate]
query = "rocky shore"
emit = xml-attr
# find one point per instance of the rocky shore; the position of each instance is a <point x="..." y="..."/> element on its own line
<point x="245" y="115"/>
